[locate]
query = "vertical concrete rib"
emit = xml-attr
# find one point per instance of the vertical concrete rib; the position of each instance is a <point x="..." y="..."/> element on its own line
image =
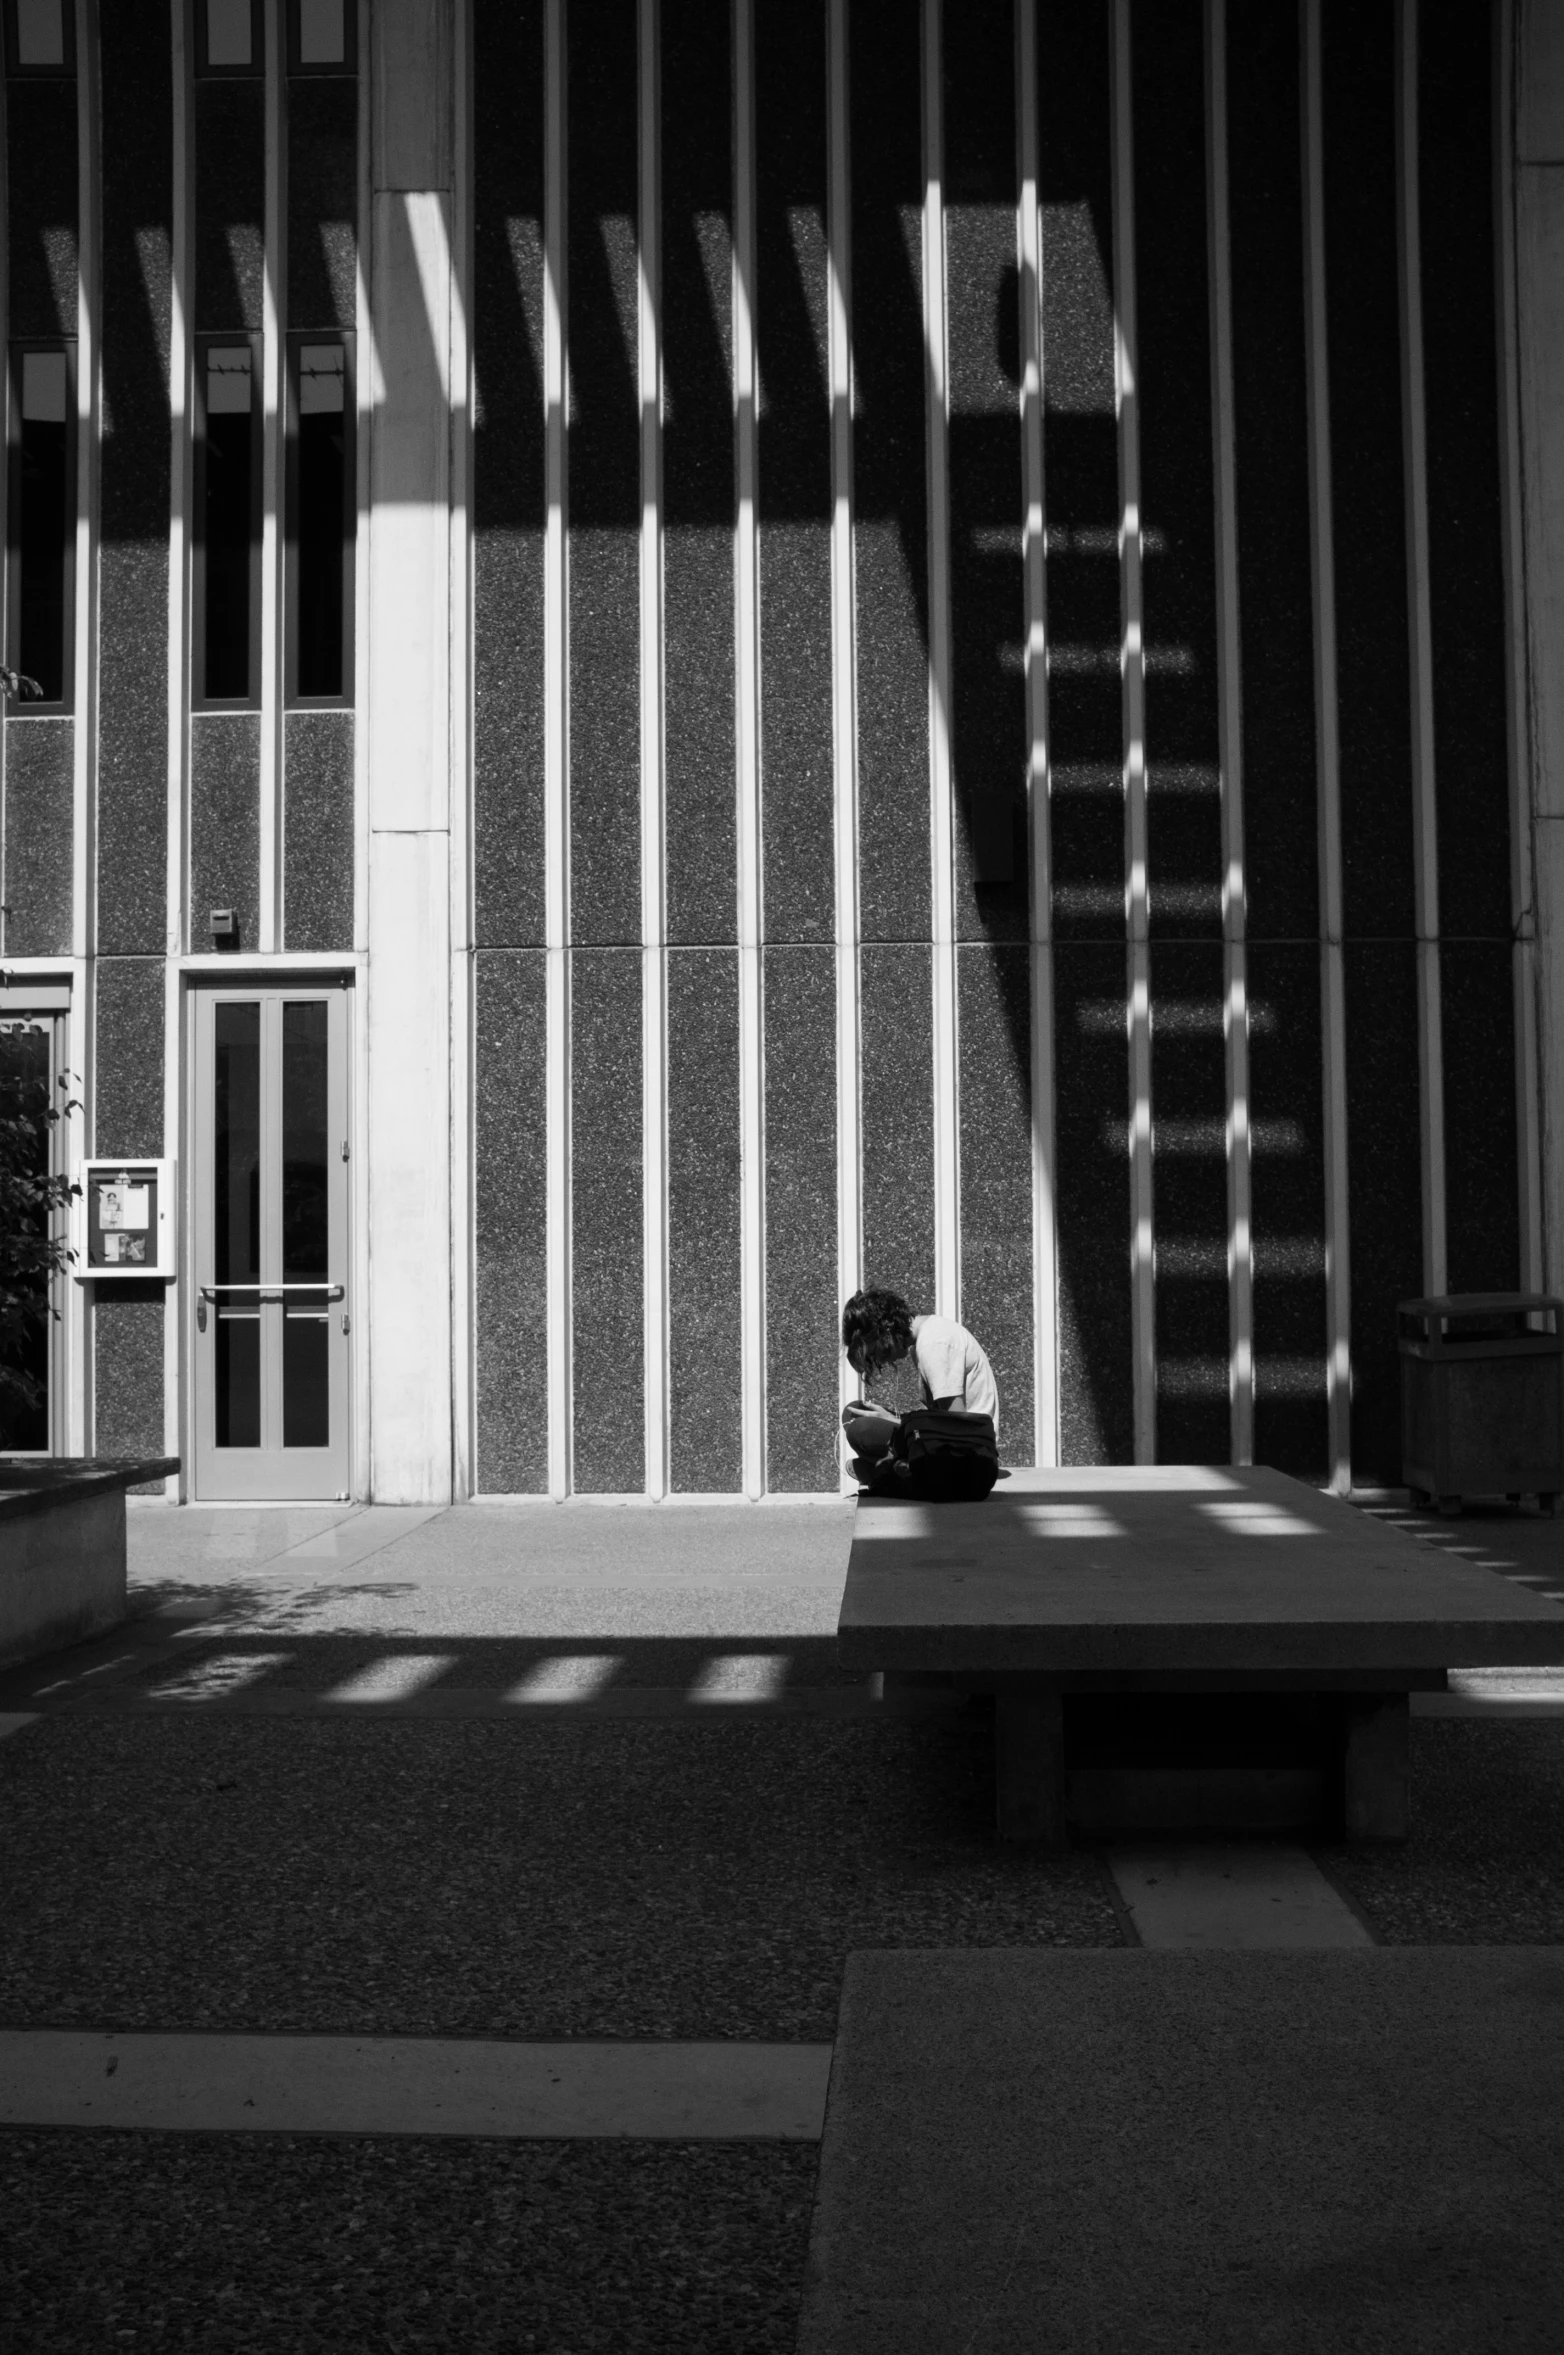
<point x="1425" y="834"/>
<point x="556" y="814"/>
<point x="84" y="735"/>
<point x="942" y="842"/>
<point x="273" y="637"/>
<point x="1045" y="1244"/>
<point x="1235" y="1013"/>
<point x="654" y="930"/>
<point x="844" y="717"/>
<point x="1338" y="1269"/>
<point x="77" y="1351"/>
<point x="1133" y="669"/>
<point x="746" y="616"/>
<point x="463" y="1075"/>
<point x="1522" y="903"/>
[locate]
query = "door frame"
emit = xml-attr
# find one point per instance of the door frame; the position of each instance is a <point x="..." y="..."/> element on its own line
<point x="234" y="978"/>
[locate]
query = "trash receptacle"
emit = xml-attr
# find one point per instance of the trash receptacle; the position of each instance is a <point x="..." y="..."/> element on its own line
<point x="1482" y="1397"/>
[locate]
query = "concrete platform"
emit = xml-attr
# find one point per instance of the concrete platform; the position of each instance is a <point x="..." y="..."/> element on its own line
<point x="1128" y="2152"/>
<point x="1167" y="1570"/>
<point x="1183" y="1579"/>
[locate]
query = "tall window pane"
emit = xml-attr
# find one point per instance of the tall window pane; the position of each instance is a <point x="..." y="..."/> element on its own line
<point x="229" y="519"/>
<point x="322" y="513"/>
<point x="45" y="514"/>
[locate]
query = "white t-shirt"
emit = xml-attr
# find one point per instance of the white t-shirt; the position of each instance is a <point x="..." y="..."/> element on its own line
<point x="952" y="1365"/>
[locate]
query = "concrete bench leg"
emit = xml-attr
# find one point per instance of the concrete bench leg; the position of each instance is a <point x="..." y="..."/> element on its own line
<point x="1029" y="1766"/>
<point x="1376" y="1767"/>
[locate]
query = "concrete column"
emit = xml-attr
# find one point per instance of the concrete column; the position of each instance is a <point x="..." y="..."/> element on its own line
<point x="409" y="751"/>
<point x="1539" y="299"/>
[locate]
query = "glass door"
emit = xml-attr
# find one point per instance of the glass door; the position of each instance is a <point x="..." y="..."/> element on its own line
<point x="31" y="1103"/>
<point x="271" y="1244"/>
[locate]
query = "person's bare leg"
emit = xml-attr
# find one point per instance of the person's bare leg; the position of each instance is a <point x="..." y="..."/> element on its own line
<point x="870" y="1430"/>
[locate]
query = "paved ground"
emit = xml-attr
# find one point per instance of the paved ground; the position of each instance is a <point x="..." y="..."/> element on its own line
<point x="539" y="1772"/>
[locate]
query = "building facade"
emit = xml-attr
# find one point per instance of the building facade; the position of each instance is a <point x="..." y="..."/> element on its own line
<point x="691" y="652"/>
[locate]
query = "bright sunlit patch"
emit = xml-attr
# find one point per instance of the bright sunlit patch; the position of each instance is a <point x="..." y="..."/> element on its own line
<point x="573" y="1676"/>
<point x="741" y="1676"/>
<point x="1255" y="1517"/>
<point x="214" y="1679"/>
<point x="394" y="1678"/>
<point x="1078" y="1518"/>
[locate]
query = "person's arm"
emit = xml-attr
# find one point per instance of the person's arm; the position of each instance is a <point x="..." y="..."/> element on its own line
<point x="942" y="1406"/>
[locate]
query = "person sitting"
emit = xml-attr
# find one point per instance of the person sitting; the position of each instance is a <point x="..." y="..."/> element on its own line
<point x="879" y="1329"/>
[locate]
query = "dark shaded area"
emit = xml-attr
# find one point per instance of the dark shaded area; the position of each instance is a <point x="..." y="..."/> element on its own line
<point x="322" y="186"/>
<point x="625" y="1877"/>
<point x="987" y="594"/>
<point x="1287" y="1207"/>
<point x="896" y="1094"/>
<point x="1466" y="602"/>
<point x="508" y="487"/>
<point x="510" y="1240"/>
<point x="794" y="497"/>
<point x="1367" y="493"/>
<point x="41" y="200"/>
<point x="802" y="1341"/>
<point x="705" y="1368"/>
<point x="230" y="205"/>
<point x="318" y="829"/>
<point x="1092" y="1188"/>
<point x="890" y="463"/>
<point x="133" y="486"/>
<point x="1482" y="1187"/>
<point x="1483" y="1866"/>
<point x="228" y="484"/>
<point x="40" y="800"/>
<point x="994" y="1024"/>
<point x="1086" y="756"/>
<point x="604" y="480"/>
<point x="221" y="2243"/>
<point x="225" y="818"/>
<point x="1189" y="1145"/>
<point x="1081" y="481"/>
<point x="699" y="492"/>
<point x="1271" y="464"/>
<point x="1173" y="334"/>
<point x="1384" y="1190"/>
<point x="605" y="1220"/>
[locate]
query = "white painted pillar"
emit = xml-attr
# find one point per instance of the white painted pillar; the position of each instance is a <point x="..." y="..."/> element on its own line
<point x="1539" y="305"/>
<point x="408" y="721"/>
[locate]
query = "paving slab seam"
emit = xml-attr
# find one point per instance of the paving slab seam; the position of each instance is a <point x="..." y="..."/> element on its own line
<point x="473" y="2087"/>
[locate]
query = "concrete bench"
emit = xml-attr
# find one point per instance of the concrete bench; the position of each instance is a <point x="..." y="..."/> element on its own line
<point x="1201" y="2153"/>
<point x="1178" y="1580"/>
<point x="62" y="1548"/>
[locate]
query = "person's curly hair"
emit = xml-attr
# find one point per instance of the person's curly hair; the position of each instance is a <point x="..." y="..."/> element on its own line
<point x="876" y="1331"/>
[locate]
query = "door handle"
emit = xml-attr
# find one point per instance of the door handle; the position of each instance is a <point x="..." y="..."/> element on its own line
<point x="201" y="1314"/>
<point x="271" y="1292"/>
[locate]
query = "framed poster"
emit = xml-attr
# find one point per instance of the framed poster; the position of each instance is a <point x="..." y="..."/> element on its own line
<point x="122" y="1220"/>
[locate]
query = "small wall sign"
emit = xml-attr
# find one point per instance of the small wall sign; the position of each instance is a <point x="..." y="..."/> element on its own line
<point x="122" y="1220"/>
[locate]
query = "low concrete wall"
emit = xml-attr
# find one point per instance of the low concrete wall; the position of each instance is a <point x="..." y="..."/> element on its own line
<point x="62" y="1573"/>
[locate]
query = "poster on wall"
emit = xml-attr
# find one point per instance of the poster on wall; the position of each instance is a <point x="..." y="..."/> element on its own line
<point x="123" y="1219"/>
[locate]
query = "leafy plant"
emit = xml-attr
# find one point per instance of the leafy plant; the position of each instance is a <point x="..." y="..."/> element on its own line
<point x="33" y="1249"/>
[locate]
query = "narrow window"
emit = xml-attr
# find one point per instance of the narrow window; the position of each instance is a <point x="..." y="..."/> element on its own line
<point x="228" y="517"/>
<point x="45" y="513"/>
<point x="322" y="501"/>
<point x="39" y="36"/>
<point x="227" y="37"/>
<point x="320" y="36"/>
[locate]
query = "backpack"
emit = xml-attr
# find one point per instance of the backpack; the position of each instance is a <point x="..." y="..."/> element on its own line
<point x="940" y="1456"/>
